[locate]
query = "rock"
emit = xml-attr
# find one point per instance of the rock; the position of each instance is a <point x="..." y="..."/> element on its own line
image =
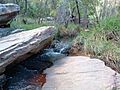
<point x="8" y="8"/>
<point x="50" y="18"/>
<point x="17" y="47"/>
<point x="16" y="31"/>
<point x="65" y="50"/>
<point x="51" y="56"/>
<point x="81" y="73"/>
<point x="8" y="12"/>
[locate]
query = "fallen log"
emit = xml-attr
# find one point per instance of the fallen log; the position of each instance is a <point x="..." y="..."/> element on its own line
<point x="17" y="47"/>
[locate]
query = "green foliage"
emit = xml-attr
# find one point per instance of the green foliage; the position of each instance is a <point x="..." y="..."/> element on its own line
<point x="95" y="40"/>
<point x="70" y="32"/>
<point x="19" y="24"/>
<point x="24" y="26"/>
<point x="72" y="26"/>
<point x="112" y="23"/>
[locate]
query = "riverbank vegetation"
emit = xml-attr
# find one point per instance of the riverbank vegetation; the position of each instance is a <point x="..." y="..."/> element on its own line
<point x="93" y="25"/>
<point x="101" y="42"/>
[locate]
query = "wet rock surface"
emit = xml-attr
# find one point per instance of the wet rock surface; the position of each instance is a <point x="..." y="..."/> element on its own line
<point x="67" y="73"/>
<point x="20" y="76"/>
<point x="28" y="75"/>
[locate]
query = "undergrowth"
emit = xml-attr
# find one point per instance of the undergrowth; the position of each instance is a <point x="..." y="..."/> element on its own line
<point x="102" y="42"/>
<point x="30" y="24"/>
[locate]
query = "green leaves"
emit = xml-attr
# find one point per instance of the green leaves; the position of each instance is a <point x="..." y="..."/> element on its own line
<point x="111" y="23"/>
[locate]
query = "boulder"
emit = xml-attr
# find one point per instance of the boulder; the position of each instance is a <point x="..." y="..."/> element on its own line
<point x="17" y="47"/>
<point x="8" y="12"/>
<point x="81" y="73"/>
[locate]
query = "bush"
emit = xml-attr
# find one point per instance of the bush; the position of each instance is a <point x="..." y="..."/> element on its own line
<point x="112" y="23"/>
<point x="71" y="31"/>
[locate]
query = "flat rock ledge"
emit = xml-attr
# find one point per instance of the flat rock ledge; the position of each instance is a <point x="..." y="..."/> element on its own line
<point x="17" y="47"/>
<point x="81" y="73"/>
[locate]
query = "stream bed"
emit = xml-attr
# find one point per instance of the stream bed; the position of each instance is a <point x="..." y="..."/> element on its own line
<point x="28" y="75"/>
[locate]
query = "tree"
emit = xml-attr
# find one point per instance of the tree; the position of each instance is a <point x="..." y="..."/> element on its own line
<point x="78" y="11"/>
<point x="26" y="3"/>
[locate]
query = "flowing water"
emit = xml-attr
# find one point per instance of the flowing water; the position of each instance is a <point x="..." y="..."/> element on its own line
<point x="28" y="75"/>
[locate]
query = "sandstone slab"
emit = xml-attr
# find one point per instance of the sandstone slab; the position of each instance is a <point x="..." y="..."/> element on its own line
<point x="17" y="47"/>
<point x="81" y="73"/>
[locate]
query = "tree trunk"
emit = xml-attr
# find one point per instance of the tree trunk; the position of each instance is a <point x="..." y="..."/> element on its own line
<point x="72" y="13"/>
<point x="25" y="7"/>
<point x="78" y="11"/>
<point x="85" y="16"/>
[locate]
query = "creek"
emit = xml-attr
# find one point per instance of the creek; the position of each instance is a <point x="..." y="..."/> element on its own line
<point x="28" y="75"/>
